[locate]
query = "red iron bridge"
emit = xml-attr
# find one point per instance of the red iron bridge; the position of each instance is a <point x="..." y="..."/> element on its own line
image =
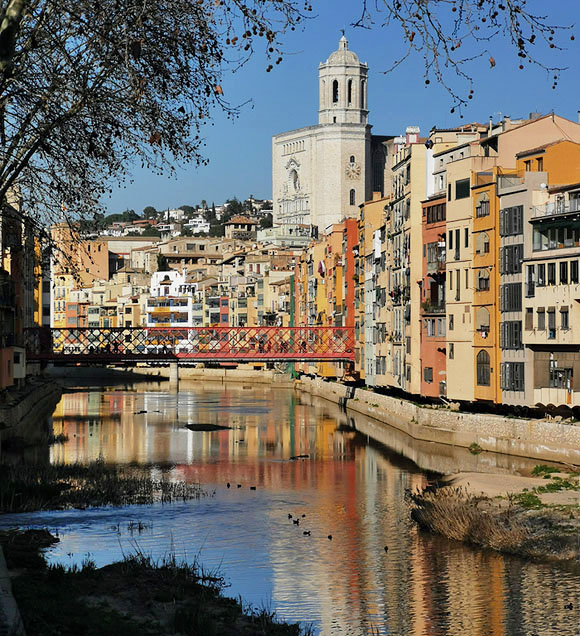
<point x="124" y="345"/>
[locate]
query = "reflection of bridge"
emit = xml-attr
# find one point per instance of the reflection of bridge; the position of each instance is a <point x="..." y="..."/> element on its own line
<point x="203" y="344"/>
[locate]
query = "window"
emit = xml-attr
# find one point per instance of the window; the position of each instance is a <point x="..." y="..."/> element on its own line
<point x="541" y="318"/>
<point x="560" y="378"/>
<point x="529" y="318"/>
<point x="483" y="371"/>
<point x="457" y="246"/>
<point x="482" y="206"/>
<point x="551" y="323"/>
<point x="352" y="197"/>
<point x="540" y="164"/>
<point x="335" y="91"/>
<point x="450" y="239"/>
<point x="482" y="243"/>
<point x="563" y="272"/>
<point x="466" y="237"/>
<point x="462" y="189"/>
<point x="450" y="322"/>
<point x="362" y="94"/>
<point x="528" y="165"/>
<point x="451" y="350"/>
<point x="541" y="275"/>
<point x="510" y="334"/>
<point x="511" y="221"/>
<point x="510" y="259"/>
<point x="573" y="272"/>
<point x="352" y="159"/>
<point x="564" y="318"/>
<point x="428" y="374"/>
<point x="512" y="376"/>
<point x="510" y="297"/>
<point x="551" y="273"/>
<point x="483" y="280"/>
<point x="349" y="95"/>
<point x="482" y="321"/>
<point x="458" y="285"/>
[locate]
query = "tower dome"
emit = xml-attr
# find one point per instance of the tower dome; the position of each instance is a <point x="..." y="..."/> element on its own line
<point x="343" y="55"/>
<point x="343" y="87"/>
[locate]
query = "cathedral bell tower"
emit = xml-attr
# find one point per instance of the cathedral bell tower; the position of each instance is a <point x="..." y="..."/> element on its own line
<point x="343" y="88"/>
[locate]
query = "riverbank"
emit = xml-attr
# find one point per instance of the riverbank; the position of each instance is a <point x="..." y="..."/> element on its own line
<point x="541" y="440"/>
<point x="533" y="517"/>
<point x="135" y="597"/>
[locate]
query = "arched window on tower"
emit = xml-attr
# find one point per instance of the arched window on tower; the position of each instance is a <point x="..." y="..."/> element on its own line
<point x="352" y="159"/>
<point x="352" y="196"/>
<point x="335" y="92"/>
<point x="349" y="92"/>
<point x="362" y="94"/>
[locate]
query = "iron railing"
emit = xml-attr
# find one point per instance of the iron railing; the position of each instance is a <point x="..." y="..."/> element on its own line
<point x="189" y="343"/>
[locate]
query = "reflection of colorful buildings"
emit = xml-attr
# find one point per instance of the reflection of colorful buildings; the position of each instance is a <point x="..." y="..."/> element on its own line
<point x="355" y="491"/>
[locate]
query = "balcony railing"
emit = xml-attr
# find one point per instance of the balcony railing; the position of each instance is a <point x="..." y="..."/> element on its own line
<point x="553" y="208"/>
<point x="433" y="308"/>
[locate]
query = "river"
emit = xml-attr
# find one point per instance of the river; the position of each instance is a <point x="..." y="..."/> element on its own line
<point x="376" y="575"/>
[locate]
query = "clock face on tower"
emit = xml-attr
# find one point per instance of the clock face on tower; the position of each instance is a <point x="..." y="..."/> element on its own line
<point x="352" y="170"/>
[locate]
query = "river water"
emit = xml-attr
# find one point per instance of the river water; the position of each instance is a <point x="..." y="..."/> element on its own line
<point x="348" y="487"/>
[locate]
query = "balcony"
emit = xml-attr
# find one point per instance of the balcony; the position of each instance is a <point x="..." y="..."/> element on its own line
<point x="555" y="208"/>
<point x="433" y="308"/>
<point x="437" y="265"/>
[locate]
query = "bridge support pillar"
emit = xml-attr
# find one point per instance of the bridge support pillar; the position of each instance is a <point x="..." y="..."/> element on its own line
<point x="173" y="375"/>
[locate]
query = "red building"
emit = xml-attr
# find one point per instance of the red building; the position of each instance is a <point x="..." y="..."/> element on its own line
<point x="433" y="317"/>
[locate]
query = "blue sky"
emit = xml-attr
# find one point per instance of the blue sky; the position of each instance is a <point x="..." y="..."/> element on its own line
<point x="287" y="98"/>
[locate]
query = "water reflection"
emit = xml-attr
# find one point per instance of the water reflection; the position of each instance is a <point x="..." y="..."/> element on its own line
<point x="347" y="487"/>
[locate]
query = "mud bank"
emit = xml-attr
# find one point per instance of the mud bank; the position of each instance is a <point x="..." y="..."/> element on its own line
<point x="535" y="439"/>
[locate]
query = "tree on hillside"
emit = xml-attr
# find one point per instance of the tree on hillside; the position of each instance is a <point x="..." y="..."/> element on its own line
<point x="267" y="221"/>
<point x="188" y="209"/>
<point x="149" y="212"/>
<point x="162" y="263"/>
<point x="151" y="231"/>
<point x="90" y="88"/>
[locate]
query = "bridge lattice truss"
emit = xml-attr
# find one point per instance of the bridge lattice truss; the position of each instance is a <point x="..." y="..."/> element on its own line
<point x="211" y="344"/>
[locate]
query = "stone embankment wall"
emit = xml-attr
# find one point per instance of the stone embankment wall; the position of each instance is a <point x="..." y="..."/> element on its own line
<point x="247" y="376"/>
<point x="28" y="406"/>
<point x="537" y="439"/>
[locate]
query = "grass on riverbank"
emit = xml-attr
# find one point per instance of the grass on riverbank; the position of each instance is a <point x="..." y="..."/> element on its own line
<point x="136" y="597"/>
<point x="25" y="488"/>
<point x="520" y="523"/>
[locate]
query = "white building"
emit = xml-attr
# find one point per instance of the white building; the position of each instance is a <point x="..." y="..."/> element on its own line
<point x="197" y="224"/>
<point x="322" y="173"/>
<point x="171" y="300"/>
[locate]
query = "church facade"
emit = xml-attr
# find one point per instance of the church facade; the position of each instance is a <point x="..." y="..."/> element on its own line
<point x="322" y="173"/>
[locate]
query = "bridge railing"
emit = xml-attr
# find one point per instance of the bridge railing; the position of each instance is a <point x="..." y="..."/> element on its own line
<point x="195" y="343"/>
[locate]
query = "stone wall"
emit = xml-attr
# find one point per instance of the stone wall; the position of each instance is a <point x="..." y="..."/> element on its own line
<point x="222" y="375"/>
<point x="537" y="439"/>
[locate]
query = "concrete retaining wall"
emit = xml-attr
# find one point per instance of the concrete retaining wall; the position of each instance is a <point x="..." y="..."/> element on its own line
<point x="536" y="439"/>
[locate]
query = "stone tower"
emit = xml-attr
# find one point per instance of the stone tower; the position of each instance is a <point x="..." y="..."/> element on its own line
<point x="343" y="88"/>
<point x="322" y="173"/>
